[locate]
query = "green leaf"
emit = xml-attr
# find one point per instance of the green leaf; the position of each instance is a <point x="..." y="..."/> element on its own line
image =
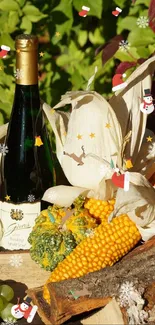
<point x="30" y="10"/>
<point x="13" y="21"/>
<point x="6" y="79"/>
<point x="140" y="37"/>
<point x="34" y="19"/>
<point x="8" y="5"/>
<point x="76" y="80"/>
<point x="62" y="29"/>
<point x="2" y="95"/>
<point x="151" y="48"/>
<point x="7" y="40"/>
<point x="65" y="6"/>
<point x="62" y="60"/>
<point x="94" y="5"/>
<point x="26" y="25"/>
<point x="2" y="120"/>
<point x="125" y="56"/>
<point x="21" y="2"/>
<point x="96" y="37"/>
<point x="143" y="52"/>
<point x="128" y="23"/>
<point x="76" y="55"/>
<point x="120" y="3"/>
<point x="145" y="2"/>
<point x="3" y="21"/>
<point x="134" y="10"/>
<point x="82" y="37"/>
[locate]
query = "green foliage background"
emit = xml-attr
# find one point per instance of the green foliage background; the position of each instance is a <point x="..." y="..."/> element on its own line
<point x="69" y="59"/>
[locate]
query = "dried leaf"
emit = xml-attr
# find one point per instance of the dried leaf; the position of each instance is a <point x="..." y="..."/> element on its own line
<point x="63" y="195"/>
<point x="151" y="15"/>
<point x="80" y="155"/>
<point x="109" y="49"/>
<point x="123" y="66"/>
<point x="126" y="105"/>
<point x="145" y="162"/>
<point x="138" y="203"/>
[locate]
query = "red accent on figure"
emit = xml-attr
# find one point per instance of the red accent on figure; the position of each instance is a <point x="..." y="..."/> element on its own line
<point x="118" y="180"/>
<point x="146" y="104"/>
<point x="27" y="312"/>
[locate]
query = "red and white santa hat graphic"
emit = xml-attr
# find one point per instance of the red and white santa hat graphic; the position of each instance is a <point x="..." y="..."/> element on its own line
<point x="117" y="11"/>
<point x="121" y="180"/>
<point x="118" y="82"/>
<point x="4" y="51"/>
<point x="84" y="11"/>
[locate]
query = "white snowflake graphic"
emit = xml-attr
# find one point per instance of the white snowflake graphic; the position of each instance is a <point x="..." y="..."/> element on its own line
<point x="125" y="293"/>
<point x="131" y="298"/>
<point x="142" y="22"/>
<point x="16" y="260"/>
<point x="31" y="198"/>
<point x="124" y="46"/>
<point x="3" y="149"/>
<point x="18" y="73"/>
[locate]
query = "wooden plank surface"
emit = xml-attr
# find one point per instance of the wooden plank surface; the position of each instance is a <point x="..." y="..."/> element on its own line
<point x="27" y="275"/>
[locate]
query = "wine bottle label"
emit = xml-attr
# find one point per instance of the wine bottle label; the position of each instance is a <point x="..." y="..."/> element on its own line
<point x="17" y="222"/>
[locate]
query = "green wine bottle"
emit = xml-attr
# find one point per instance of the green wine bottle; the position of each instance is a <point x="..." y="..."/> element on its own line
<point x="27" y="166"/>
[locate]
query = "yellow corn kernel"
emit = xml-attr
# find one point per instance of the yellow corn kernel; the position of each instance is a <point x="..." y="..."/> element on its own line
<point x="88" y="256"/>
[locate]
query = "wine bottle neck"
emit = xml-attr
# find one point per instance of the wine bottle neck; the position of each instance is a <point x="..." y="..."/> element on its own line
<point x="26" y="67"/>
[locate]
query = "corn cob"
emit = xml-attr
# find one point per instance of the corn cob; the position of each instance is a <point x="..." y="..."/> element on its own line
<point x="106" y="246"/>
<point x="100" y="209"/>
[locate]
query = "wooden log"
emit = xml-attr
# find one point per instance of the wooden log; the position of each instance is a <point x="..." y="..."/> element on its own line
<point x="137" y="267"/>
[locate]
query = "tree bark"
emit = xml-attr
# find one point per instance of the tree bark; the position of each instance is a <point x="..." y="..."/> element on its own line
<point x="137" y="266"/>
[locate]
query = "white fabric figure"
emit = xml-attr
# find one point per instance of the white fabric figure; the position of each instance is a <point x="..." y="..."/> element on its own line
<point x="24" y="310"/>
<point x="147" y="106"/>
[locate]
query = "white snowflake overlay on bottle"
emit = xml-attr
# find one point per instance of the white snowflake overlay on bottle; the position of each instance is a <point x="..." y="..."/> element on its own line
<point x="3" y="149"/>
<point x="18" y="73"/>
<point x="31" y="198"/>
<point x="16" y="261"/>
<point x="142" y="22"/>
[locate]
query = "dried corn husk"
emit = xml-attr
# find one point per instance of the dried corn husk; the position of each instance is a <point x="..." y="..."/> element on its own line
<point x="145" y="162"/>
<point x="139" y="204"/>
<point x="89" y="116"/>
<point x="126" y="105"/>
<point x="63" y="195"/>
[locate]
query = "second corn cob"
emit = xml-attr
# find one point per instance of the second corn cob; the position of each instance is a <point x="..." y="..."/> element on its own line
<point x="100" y="209"/>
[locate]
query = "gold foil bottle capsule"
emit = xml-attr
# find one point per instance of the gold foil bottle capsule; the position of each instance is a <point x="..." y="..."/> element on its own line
<point x="26" y="59"/>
